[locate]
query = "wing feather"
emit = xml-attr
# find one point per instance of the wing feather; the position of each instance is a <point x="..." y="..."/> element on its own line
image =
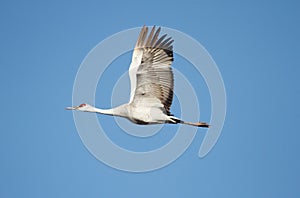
<point x="150" y="36"/>
<point x="154" y="39"/>
<point x="150" y="71"/>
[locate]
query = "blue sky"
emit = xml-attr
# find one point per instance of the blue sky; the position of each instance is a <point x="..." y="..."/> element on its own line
<point x="256" y="47"/>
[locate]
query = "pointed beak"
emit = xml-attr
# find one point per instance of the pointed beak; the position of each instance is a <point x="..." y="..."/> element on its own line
<point x="72" y="108"/>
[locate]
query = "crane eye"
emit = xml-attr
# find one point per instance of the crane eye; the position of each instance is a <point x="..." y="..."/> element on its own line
<point x="82" y="105"/>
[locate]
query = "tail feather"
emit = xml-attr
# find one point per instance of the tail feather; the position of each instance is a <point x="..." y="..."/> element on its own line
<point x="175" y="120"/>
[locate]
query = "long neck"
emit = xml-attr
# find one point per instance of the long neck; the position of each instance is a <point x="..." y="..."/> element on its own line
<point x="103" y="111"/>
<point x="117" y="111"/>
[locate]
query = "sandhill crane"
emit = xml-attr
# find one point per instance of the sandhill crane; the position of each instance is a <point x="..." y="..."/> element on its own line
<point x="152" y="83"/>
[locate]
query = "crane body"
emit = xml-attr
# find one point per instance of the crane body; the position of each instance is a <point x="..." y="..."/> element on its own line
<point x="152" y="83"/>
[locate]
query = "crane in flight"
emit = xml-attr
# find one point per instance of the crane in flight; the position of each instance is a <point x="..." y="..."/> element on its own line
<point x="152" y="83"/>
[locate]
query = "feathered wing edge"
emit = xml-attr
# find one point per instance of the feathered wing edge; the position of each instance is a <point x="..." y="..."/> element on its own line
<point x="153" y="40"/>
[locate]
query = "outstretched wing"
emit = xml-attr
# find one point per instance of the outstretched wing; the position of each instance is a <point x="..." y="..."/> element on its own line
<point x="150" y="71"/>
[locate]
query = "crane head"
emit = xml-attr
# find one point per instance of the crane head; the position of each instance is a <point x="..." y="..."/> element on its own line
<point x="82" y="107"/>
